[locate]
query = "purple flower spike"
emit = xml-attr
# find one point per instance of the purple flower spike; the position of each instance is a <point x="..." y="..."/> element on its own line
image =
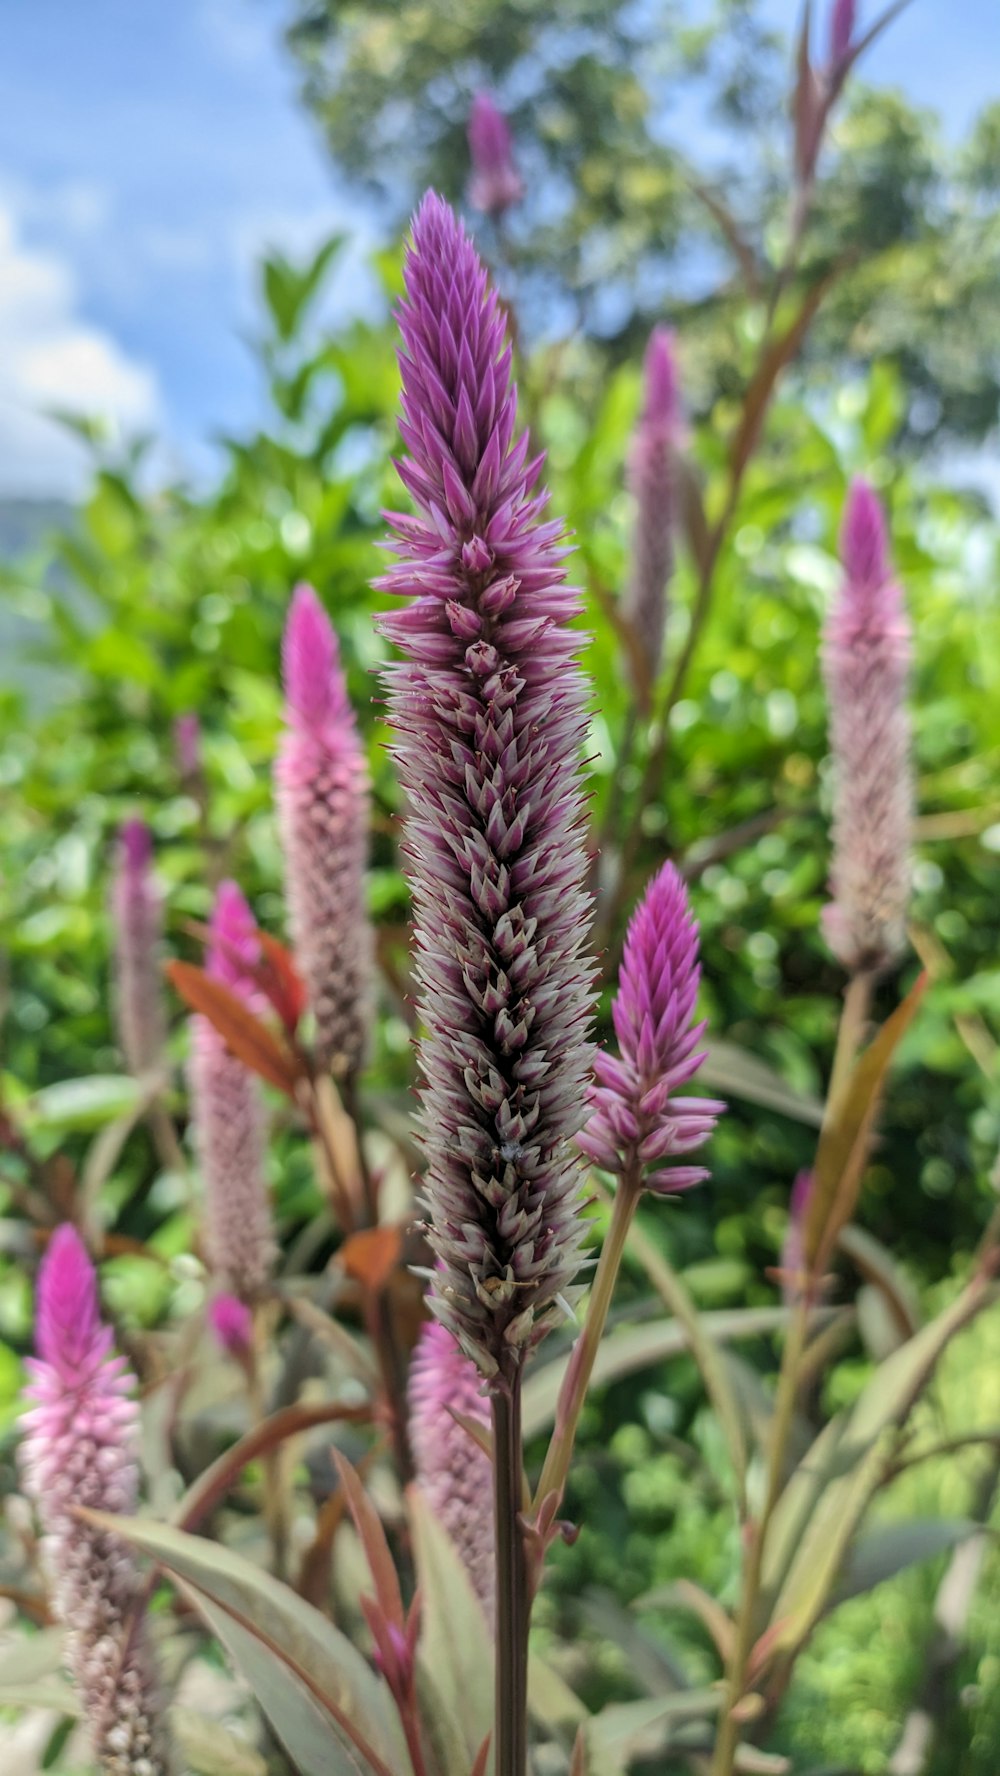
<point x="322" y="794"/>
<point x="454" y="1473"/>
<point x="137" y="913"/>
<point x="637" y="1122"/>
<point x="490" y="714"/>
<point x="793" y="1252"/>
<point x="232" y="1326"/>
<point x="228" y="1116"/>
<point x="866" y="659"/>
<point x="79" y="1449"/>
<point x="651" y="483"/>
<point x="495" y="183"/>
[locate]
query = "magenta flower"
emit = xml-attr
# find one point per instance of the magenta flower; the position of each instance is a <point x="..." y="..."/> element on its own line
<point x="637" y="1122"/>
<point x="866" y="659"/>
<point x="793" y="1251"/>
<point x="228" y="1117"/>
<point x="495" y="183"/>
<point x="79" y="1449"/>
<point x="651" y="482"/>
<point x="454" y="1472"/>
<point x="137" y="912"/>
<point x="322" y="793"/>
<point x="231" y="1323"/>
<point x="187" y="746"/>
<point x="490" y="713"/>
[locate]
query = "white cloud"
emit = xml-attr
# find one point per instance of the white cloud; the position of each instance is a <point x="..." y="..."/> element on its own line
<point x="52" y="357"/>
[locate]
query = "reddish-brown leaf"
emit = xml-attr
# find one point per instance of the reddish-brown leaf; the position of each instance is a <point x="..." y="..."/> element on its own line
<point x="482" y="1757"/>
<point x="212" y="1486"/>
<point x="281" y="981"/>
<point x="380" y="1562"/>
<point x="249" y="1040"/>
<point x="370" y="1257"/>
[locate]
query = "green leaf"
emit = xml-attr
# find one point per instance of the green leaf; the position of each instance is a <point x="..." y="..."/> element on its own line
<point x="844" y="1142"/>
<point x="627" y="1730"/>
<point x="326" y="1705"/>
<point x="731" y="1069"/>
<point x="455" y="1651"/>
<point x="861" y="1448"/>
<point x="891" y="1548"/>
<point x="82" y="1103"/>
<point x="31" y="1673"/>
<point x="622" y="1353"/>
<point x="210" y="1749"/>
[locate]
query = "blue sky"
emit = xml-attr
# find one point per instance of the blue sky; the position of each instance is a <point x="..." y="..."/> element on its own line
<point x="149" y="150"/>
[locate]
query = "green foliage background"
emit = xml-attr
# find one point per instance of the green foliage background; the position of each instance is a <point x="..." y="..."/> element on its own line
<point x="154" y="603"/>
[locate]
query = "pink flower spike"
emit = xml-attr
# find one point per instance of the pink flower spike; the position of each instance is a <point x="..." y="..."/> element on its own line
<point x="866" y="658"/>
<point x="234" y="950"/>
<point x="232" y="1326"/>
<point x="228" y="1116"/>
<point x="321" y="786"/>
<point x="454" y="1473"/>
<point x="137" y="914"/>
<point x="187" y="746"/>
<point x="495" y="184"/>
<point x="636" y="1120"/>
<point x="489" y="709"/>
<point x="651" y="483"/>
<point x="78" y="1449"/>
<point x="310" y="659"/>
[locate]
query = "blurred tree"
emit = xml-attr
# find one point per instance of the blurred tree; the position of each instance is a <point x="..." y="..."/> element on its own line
<point x="656" y="154"/>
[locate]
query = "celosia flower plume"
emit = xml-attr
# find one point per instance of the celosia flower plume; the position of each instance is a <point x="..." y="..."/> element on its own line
<point x="495" y="183"/>
<point x="228" y="1116"/>
<point x="866" y="659"/>
<point x="637" y="1121"/>
<point x="187" y="746"/>
<point x="79" y="1450"/>
<point x="454" y="1471"/>
<point x="322" y="795"/>
<point x="137" y="913"/>
<point x="490" y="713"/>
<point x="231" y="1323"/>
<point x="651" y="483"/>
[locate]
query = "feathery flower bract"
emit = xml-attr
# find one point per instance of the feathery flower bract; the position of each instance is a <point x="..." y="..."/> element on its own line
<point x="137" y="912"/>
<point x="636" y="1120"/>
<point x="866" y="658"/>
<point x="495" y="184"/>
<point x="454" y="1472"/>
<point x="228" y="1116"/>
<point x="79" y="1449"/>
<point x="490" y="714"/>
<point x="651" y="483"/>
<point x="322" y="794"/>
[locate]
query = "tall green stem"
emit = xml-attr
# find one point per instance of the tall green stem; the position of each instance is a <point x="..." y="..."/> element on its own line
<point x="513" y="1598"/>
<point x="577" y="1378"/>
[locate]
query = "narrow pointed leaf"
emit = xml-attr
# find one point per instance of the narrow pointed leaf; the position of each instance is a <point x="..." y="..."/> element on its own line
<point x="270" y="1631"/>
<point x="250" y="1041"/>
<point x="844" y="1141"/>
<point x="454" y="1649"/>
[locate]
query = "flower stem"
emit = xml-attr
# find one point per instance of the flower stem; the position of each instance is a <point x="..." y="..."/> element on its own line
<point x="577" y="1378"/>
<point x="513" y="1600"/>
